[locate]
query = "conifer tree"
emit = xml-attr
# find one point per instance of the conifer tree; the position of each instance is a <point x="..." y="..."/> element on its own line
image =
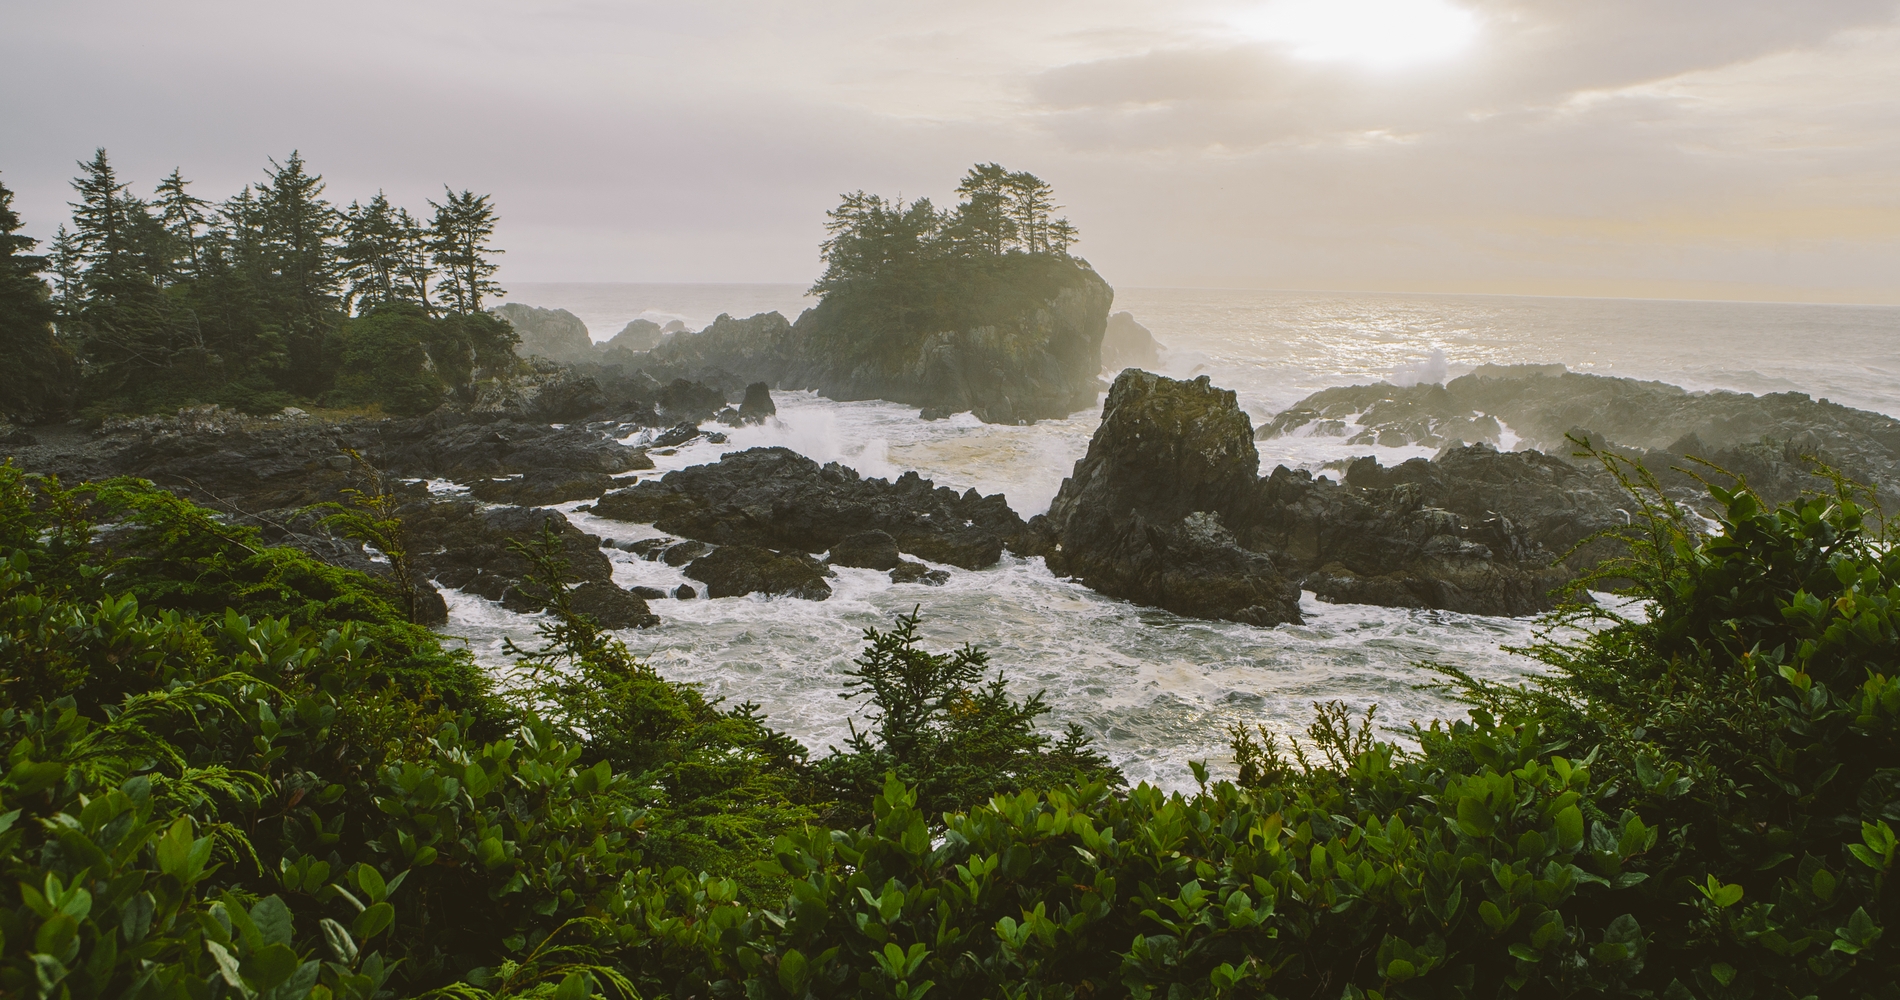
<point x="183" y="215"/>
<point x="37" y="368"/>
<point x="372" y="253"/>
<point x="458" y="242"/>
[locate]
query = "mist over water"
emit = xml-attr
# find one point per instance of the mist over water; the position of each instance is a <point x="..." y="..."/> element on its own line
<point x="1155" y="689"/>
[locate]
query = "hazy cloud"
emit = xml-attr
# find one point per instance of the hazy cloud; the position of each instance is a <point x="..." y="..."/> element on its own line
<point x="1743" y="148"/>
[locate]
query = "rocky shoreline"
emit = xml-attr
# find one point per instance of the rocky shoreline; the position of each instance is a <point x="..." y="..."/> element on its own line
<point x="1167" y="508"/>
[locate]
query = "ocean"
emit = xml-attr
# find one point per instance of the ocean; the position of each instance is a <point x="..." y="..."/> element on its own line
<point x="1154" y="689"/>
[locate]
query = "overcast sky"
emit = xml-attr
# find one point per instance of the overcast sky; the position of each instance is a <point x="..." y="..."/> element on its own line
<point x="1660" y="148"/>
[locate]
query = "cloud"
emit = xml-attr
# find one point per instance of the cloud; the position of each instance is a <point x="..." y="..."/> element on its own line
<point x="1745" y="146"/>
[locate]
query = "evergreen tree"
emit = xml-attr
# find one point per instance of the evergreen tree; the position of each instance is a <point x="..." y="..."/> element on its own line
<point x="37" y="368"/>
<point x="299" y="230"/>
<point x="458" y="241"/>
<point x="983" y="220"/>
<point x="183" y="215"/>
<point x="122" y="322"/>
<point x="415" y="273"/>
<point x="372" y="254"/>
<point x="1030" y="204"/>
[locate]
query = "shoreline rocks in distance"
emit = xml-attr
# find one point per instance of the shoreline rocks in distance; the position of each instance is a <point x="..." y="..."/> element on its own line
<point x="1128" y="344"/>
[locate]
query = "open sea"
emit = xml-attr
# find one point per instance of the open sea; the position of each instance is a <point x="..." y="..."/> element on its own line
<point x="1154" y="689"/>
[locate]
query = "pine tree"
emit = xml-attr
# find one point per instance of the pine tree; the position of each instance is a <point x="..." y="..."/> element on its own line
<point x="37" y="368"/>
<point x="183" y="215"/>
<point x="372" y="254"/>
<point x="415" y="273"/>
<point x="458" y="241"/>
<point x="1030" y="205"/>
<point x="983" y="221"/>
<point x="299" y="232"/>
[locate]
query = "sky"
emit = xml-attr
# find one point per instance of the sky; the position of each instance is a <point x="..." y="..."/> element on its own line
<point x="1723" y="149"/>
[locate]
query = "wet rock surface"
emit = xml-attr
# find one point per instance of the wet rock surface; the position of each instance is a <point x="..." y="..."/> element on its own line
<point x="1764" y="438"/>
<point x="866" y="549"/>
<point x="776" y="498"/>
<point x="738" y="570"/>
<point x="1167" y="509"/>
<point x="464" y="545"/>
<point x="1148" y="513"/>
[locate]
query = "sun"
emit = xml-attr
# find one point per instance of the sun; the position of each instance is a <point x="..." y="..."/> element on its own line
<point x="1372" y="34"/>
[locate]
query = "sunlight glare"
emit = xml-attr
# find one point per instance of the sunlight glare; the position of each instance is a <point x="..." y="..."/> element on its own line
<point x="1375" y="34"/>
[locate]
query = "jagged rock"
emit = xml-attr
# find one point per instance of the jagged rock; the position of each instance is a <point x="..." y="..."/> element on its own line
<point x="686" y="401"/>
<point x="462" y="545"/>
<point x="555" y="334"/>
<point x="776" y="498"/>
<point x="647" y="593"/>
<point x="758" y="405"/>
<point x="1146" y="514"/>
<point x="681" y="553"/>
<point x="936" y="413"/>
<point x="1660" y="425"/>
<point x="685" y="592"/>
<point x="1128" y="344"/>
<point x="542" y="392"/>
<point x="730" y="417"/>
<point x="677" y="435"/>
<point x="449" y="445"/>
<point x="611" y="606"/>
<point x="1167" y="509"/>
<point x="907" y="571"/>
<point x="542" y="487"/>
<point x="866" y="549"/>
<point x="638" y="335"/>
<point x="737" y="570"/>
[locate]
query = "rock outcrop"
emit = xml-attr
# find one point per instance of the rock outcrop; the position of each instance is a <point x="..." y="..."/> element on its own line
<point x="555" y="334"/>
<point x="1149" y="513"/>
<point x="1025" y="353"/>
<point x="638" y="335"/>
<point x="462" y="545"/>
<point x="1128" y="344"/>
<point x="1763" y="438"/>
<point x="778" y="499"/>
<point x="1167" y="509"/>
<point x="738" y="570"/>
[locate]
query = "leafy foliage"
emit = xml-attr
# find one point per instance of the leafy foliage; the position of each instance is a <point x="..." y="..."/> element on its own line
<point x="1698" y="800"/>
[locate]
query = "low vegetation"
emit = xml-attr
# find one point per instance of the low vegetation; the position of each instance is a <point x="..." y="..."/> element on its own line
<point x="234" y="772"/>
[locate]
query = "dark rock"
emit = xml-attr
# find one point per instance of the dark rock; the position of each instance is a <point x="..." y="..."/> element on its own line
<point x="681" y="553"/>
<point x="460" y="544"/>
<point x="776" y="498"/>
<point x="1147" y="514"/>
<point x="758" y="404"/>
<point x="936" y="413"/>
<point x="728" y="416"/>
<point x="686" y="401"/>
<point x="647" y="593"/>
<point x="15" y="437"/>
<point x="685" y="592"/>
<point x="649" y="548"/>
<point x="866" y="549"/>
<point x="676" y="436"/>
<point x="737" y="570"/>
<point x="1128" y="344"/>
<point x="540" y="487"/>
<point x="1166" y="509"/>
<point x="611" y="606"/>
<point x="916" y="572"/>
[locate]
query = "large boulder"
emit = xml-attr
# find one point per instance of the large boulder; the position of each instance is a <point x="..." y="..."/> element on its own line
<point x="758" y="404"/>
<point x="738" y="570"/>
<point x="1150" y="511"/>
<point x="461" y="544"/>
<point x="638" y="335"/>
<point x="555" y="334"/>
<point x="1128" y="344"/>
<point x="779" y="499"/>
